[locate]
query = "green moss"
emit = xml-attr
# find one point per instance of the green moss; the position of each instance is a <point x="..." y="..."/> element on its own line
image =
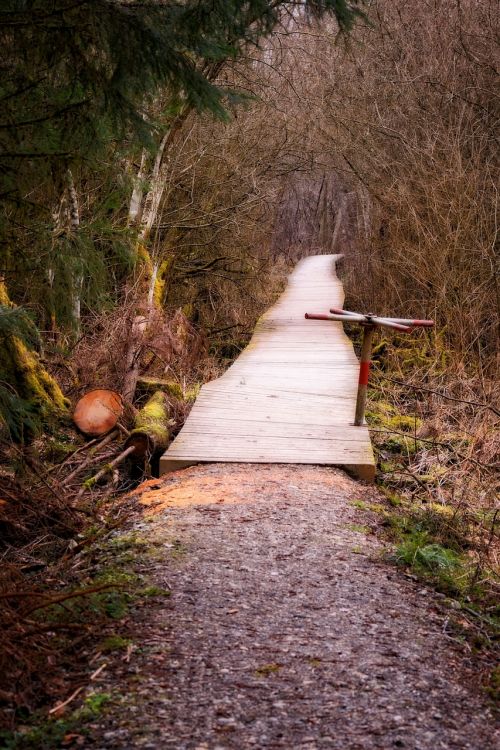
<point x="379" y="411"/>
<point x="192" y="393"/>
<point x="402" y="423"/>
<point x="155" y="591"/>
<point x="170" y="388"/>
<point x="94" y="703"/>
<point x="114" y="643"/>
<point x="442" y="510"/>
<point x="393" y="498"/>
<point x="129" y="541"/>
<point x="188" y="310"/>
<point x="267" y="670"/>
<point x="450" y="571"/>
<point x="399" y="445"/>
<point x="395" y="429"/>
<point x="146" y="269"/>
<point x="493" y="687"/>
<point x="359" y="528"/>
<point x="377" y="508"/>
<point x="152" y="421"/>
<point x="360" y="504"/>
<point x="387" y="467"/>
<point x="431" y="540"/>
<point x="38" y="397"/>
<point x="49" y="734"/>
<point x="152" y="385"/>
<point x="380" y="350"/>
<point x="117" y="576"/>
<point x="161" y="280"/>
<point x="152" y="411"/>
<point x="374" y="507"/>
<point x="113" y="604"/>
<point x="174" y="390"/>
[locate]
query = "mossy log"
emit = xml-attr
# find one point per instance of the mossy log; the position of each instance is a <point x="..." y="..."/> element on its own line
<point x="146" y="384"/>
<point x="22" y="371"/>
<point x="150" y="434"/>
<point x="151" y="385"/>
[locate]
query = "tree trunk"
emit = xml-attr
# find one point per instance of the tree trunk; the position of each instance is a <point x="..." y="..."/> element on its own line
<point x="143" y="210"/>
<point x="24" y="377"/>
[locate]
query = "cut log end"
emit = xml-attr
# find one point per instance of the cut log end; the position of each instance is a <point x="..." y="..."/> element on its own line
<point x="98" y="411"/>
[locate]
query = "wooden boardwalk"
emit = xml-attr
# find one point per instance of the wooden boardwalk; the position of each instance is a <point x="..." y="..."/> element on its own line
<point x="290" y="396"/>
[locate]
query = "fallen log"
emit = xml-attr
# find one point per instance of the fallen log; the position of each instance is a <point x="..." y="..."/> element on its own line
<point x="151" y="431"/>
<point x="98" y="411"/>
<point x="147" y="384"/>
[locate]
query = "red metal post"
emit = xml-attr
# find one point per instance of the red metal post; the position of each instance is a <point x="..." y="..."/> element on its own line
<point x="369" y="322"/>
<point x="364" y="374"/>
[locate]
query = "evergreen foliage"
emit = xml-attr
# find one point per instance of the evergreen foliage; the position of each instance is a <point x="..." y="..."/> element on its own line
<point x="77" y="85"/>
<point x="75" y="75"/>
<point x="17" y="415"/>
<point x="77" y="80"/>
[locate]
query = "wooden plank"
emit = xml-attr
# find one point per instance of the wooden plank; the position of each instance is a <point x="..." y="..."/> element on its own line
<point x="290" y="396"/>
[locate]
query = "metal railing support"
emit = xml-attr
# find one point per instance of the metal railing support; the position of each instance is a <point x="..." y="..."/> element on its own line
<point x="364" y="373"/>
<point x="370" y="323"/>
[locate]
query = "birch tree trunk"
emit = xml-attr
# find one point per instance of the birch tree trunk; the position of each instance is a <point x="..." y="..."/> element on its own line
<point x="144" y="211"/>
<point x="148" y="269"/>
<point x="67" y="221"/>
<point x="136" y="204"/>
<point x="74" y="224"/>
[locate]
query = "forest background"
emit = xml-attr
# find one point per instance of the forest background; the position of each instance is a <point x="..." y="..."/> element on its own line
<point x="162" y="167"/>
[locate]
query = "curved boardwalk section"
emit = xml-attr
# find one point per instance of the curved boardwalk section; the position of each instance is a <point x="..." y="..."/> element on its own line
<point x="290" y="396"/>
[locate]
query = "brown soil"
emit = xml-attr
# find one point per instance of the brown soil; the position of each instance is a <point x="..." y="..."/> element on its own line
<point x="285" y="628"/>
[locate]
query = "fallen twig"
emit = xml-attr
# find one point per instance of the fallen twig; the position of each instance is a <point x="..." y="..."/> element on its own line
<point x="444" y="395"/>
<point x="111" y="436"/>
<point x="60" y="706"/>
<point x="72" y="455"/>
<point x="492" y="467"/>
<point x="98" y="671"/>
<point x="109" y="467"/>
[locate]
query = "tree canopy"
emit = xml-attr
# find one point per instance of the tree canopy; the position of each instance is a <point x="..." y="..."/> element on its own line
<point x="84" y="84"/>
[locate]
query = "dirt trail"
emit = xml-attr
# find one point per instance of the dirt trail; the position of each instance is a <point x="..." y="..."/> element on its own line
<point x="285" y="628"/>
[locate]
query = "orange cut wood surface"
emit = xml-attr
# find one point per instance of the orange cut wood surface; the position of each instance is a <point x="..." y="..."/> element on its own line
<point x="98" y="411"/>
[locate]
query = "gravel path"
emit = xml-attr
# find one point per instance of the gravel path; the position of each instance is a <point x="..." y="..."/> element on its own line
<point x="285" y="628"/>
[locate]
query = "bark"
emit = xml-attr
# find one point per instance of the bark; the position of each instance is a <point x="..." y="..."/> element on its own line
<point x="151" y="277"/>
<point x="74" y="225"/>
<point x="67" y="221"/>
<point x="136" y="203"/>
<point x="144" y="211"/>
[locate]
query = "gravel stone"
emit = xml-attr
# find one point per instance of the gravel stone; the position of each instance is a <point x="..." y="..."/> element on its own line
<point x="286" y="628"/>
